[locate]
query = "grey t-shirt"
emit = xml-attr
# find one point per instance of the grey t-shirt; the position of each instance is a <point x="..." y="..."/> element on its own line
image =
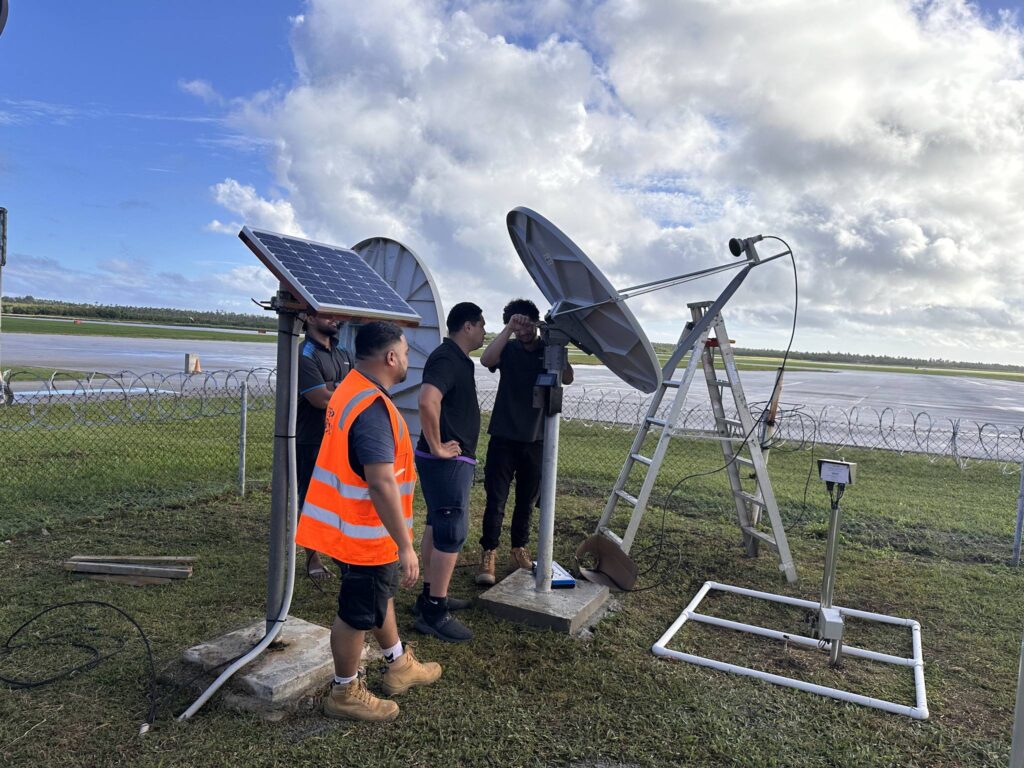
<point x="370" y="440"/>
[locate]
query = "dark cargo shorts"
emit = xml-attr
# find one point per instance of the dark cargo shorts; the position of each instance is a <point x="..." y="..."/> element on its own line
<point x="365" y="592"/>
<point x="446" y="484"/>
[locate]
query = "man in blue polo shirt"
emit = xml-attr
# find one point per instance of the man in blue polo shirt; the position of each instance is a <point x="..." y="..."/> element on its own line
<point x="322" y="366"/>
<point x="445" y="462"/>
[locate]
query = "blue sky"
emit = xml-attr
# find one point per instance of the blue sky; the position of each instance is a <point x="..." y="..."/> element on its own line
<point x="106" y="162"/>
<point x="881" y="138"/>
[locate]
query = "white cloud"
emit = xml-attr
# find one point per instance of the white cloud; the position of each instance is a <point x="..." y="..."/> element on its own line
<point x="276" y="215"/>
<point x="201" y="89"/>
<point x="883" y="139"/>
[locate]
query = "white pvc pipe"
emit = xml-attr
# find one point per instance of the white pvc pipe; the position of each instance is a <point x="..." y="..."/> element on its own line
<point x="833" y="693"/>
<point x="809" y="642"/>
<point x="918" y="712"/>
<point x="293" y="514"/>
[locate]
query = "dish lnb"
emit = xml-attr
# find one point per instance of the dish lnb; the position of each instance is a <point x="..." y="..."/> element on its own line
<point x="739" y="245"/>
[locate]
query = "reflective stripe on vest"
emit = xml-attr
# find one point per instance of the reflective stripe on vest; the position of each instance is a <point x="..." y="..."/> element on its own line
<point x="351" y="530"/>
<point x="356" y="492"/>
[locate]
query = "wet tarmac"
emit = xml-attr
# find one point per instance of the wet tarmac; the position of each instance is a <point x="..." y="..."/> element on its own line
<point x="942" y="397"/>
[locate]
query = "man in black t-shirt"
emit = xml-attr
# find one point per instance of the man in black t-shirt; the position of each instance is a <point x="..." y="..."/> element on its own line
<point x="516" y="446"/>
<point x="445" y="462"/>
<point x="322" y="366"/>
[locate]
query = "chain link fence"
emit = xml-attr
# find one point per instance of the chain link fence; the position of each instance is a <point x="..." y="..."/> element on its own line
<point x="77" y="445"/>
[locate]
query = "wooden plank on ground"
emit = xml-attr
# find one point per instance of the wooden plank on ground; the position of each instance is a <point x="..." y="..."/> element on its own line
<point x="134" y="558"/>
<point x="129" y="569"/>
<point x="135" y="581"/>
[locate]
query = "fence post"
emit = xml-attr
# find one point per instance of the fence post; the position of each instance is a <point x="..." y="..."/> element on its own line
<point x="1020" y="519"/>
<point x="242" y="423"/>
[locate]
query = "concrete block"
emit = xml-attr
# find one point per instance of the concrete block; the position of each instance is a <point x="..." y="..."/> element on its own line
<point x="566" y="610"/>
<point x="297" y="664"/>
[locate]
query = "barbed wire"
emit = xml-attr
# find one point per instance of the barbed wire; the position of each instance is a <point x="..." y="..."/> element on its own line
<point x="66" y="401"/>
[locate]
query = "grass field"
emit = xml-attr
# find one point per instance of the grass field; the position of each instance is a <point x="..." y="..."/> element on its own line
<point x="920" y="539"/>
<point x="17" y="324"/>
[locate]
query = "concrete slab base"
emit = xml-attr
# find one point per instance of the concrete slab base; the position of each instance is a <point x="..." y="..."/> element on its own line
<point x="567" y="610"/>
<point x="297" y="664"/>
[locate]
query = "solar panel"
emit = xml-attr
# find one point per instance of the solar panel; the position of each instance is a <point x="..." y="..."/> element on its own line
<point x="332" y="280"/>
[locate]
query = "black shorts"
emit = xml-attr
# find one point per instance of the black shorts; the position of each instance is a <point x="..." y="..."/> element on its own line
<point x="446" y="484"/>
<point x="365" y="592"/>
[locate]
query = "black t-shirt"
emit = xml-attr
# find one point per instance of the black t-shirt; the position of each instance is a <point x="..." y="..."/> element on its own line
<point x="452" y="371"/>
<point x="318" y="367"/>
<point x="514" y="417"/>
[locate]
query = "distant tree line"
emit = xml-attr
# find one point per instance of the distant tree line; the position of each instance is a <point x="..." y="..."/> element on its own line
<point x="29" y="305"/>
<point x="906" y="362"/>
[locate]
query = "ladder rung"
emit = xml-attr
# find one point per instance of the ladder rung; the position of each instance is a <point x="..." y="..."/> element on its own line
<point x="626" y="497"/>
<point x="749" y="497"/>
<point x="723" y="383"/>
<point x="671" y="383"/>
<point x="732" y="423"/>
<point x="760" y="535"/>
<point x="656" y="422"/>
<point x="642" y="459"/>
<point x="744" y="461"/>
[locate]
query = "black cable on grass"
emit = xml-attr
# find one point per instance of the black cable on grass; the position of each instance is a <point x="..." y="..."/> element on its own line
<point x="65" y="639"/>
<point x="764" y="413"/>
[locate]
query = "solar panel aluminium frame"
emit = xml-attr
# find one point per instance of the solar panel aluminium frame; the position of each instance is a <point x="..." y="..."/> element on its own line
<point x="251" y="237"/>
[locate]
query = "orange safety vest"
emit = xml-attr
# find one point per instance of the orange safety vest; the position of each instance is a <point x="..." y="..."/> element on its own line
<point x="338" y="517"/>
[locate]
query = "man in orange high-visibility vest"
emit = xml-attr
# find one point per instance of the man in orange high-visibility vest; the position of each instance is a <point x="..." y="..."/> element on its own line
<point x="358" y="510"/>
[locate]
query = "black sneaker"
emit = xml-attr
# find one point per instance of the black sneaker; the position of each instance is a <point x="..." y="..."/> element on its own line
<point x="454" y="604"/>
<point x="445" y="627"/>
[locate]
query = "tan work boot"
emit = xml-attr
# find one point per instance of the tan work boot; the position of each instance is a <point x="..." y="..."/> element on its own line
<point x="407" y="671"/>
<point x="521" y="558"/>
<point x="354" y="702"/>
<point x="485" y="573"/>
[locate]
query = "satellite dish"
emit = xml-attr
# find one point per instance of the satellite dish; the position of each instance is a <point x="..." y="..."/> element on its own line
<point x="403" y="270"/>
<point x="3" y="15"/>
<point x="584" y="305"/>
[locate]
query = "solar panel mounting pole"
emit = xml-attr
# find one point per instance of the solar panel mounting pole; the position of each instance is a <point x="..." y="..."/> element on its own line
<point x="3" y="263"/>
<point x="288" y="326"/>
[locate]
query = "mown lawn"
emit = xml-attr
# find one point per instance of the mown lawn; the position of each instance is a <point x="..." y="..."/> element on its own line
<point x="921" y="539"/>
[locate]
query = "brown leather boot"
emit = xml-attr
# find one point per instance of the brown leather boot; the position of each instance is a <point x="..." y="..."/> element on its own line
<point x="354" y="702"/>
<point x="521" y="558"/>
<point x="407" y="671"/>
<point x="485" y="573"/>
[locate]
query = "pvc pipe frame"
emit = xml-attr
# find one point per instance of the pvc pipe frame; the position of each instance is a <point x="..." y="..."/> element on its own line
<point x="274" y="627"/>
<point x="918" y="712"/>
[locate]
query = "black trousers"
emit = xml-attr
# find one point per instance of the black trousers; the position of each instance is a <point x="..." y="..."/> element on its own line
<point x="507" y="459"/>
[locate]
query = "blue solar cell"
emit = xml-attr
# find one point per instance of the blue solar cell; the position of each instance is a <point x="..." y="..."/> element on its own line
<point x="330" y="279"/>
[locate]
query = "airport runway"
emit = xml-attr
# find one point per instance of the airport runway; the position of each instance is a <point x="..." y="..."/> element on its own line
<point x="953" y="397"/>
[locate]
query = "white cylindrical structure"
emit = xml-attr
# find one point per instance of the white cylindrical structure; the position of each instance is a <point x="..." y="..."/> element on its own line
<point x="548" y="487"/>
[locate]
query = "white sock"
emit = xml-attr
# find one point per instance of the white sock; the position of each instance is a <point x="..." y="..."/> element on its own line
<point x="344" y="680"/>
<point x="393" y="653"/>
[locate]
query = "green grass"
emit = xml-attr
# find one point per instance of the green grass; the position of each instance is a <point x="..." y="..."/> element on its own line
<point x="23" y="373"/>
<point x="920" y="539"/>
<point x="15" y="324"/>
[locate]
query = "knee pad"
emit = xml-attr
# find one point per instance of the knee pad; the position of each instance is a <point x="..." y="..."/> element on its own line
<point x="450" y="526"/>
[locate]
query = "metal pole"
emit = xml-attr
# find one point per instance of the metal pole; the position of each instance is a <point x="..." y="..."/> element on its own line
<point x="555" y="361"/>
<point x="287" y="330"/>
<point x="1020" y="519"/>
<point x="829" y="581"/>
<point x="3" y="263"/>
<point x="242" y="432"/>
<point x="1017" y="745"/>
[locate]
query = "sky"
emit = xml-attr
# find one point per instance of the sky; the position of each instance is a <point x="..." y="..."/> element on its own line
<point x="882" y="139"/>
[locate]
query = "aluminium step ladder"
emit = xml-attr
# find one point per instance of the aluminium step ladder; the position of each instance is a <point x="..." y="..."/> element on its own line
<point x="740" y="446"/>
